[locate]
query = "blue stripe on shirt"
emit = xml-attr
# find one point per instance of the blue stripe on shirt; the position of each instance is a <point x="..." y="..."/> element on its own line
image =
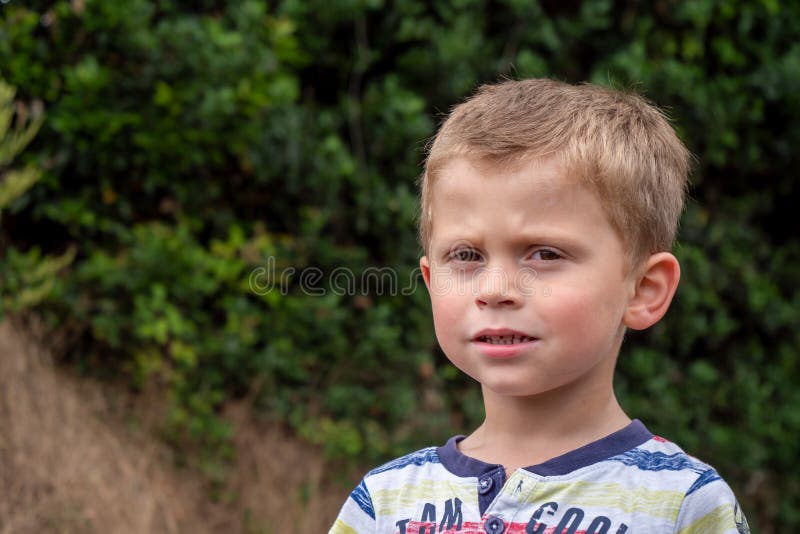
<point x="658" y="461"/>
<point x="706" y="477"/>
<point x="419" y="458"/>
<point x="362" y="498"/>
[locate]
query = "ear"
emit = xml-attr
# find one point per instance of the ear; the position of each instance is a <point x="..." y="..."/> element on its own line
<point x="425" y="267"/>
<point x="656" y="283"/>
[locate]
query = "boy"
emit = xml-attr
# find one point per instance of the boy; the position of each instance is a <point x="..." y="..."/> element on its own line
<point x="547" y="215"/>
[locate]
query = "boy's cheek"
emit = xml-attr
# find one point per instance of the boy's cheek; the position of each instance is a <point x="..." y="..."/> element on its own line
<point x="444" y="313"/>
<point x="440" y="282"/>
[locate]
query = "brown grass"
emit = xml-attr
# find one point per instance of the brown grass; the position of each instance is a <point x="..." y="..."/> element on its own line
<point x="71" y="462"/>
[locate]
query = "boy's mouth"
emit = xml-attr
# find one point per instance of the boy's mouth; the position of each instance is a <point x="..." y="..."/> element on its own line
<point x="510" y="339"/>
<point x="502" y="336"/>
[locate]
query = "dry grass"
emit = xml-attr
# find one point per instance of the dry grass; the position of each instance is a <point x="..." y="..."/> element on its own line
<point x="69" y="463"/>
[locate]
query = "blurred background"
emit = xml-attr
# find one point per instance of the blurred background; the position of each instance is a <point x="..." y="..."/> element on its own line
<point x="172" y="170"/>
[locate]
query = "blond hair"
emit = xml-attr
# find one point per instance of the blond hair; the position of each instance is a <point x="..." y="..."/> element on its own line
<point x="616" y="143"/>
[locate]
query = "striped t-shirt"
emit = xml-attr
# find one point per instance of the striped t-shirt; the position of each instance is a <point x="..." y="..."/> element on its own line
<point x="630" y="482"/>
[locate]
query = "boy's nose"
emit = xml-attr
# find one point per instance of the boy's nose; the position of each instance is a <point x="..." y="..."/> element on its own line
<point x="494" y="288"/>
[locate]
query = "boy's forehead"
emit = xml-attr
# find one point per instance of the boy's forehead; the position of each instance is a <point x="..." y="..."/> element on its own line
<point x="542" y="177"/>
<point x="530" y="194"/>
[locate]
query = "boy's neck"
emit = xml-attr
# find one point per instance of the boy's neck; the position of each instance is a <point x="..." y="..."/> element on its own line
<point x="520" y="432"/>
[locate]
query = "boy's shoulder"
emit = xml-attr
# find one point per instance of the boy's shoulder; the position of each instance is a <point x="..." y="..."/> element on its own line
<point x="659" y="455"/>
<point x="421" y="459"/>
<point x="707" y="500"/>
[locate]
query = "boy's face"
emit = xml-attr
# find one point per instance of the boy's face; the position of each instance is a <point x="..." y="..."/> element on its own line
<point x="528" y="280"/>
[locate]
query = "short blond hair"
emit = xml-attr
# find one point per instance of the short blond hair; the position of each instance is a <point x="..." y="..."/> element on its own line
<point x="617" y="143"/>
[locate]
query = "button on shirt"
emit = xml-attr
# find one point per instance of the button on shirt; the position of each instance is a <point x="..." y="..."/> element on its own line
<point x="494" y="525"/>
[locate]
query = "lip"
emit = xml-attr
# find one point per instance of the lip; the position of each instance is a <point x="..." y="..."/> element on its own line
<point x="502" y="352"/>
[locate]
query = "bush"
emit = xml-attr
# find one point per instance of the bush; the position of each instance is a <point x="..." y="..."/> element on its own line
<point x="188" y="147"/>
<point x="26" y="278"/>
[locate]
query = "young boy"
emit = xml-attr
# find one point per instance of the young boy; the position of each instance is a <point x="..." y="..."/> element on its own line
<point x="547" y="215"/>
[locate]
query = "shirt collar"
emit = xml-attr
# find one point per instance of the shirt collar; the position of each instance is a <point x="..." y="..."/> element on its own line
<point x="620" y="441"/>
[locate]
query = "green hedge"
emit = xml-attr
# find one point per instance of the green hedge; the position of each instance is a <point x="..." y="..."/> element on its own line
<point x="190" y="147"/>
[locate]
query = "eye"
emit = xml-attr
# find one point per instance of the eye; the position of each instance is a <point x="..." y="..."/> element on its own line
<point x="465" y="255"/>
<point x="546" y="254"/>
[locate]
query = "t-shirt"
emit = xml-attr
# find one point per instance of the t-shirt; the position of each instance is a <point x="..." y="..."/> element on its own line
<point x="629" y="482"/>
